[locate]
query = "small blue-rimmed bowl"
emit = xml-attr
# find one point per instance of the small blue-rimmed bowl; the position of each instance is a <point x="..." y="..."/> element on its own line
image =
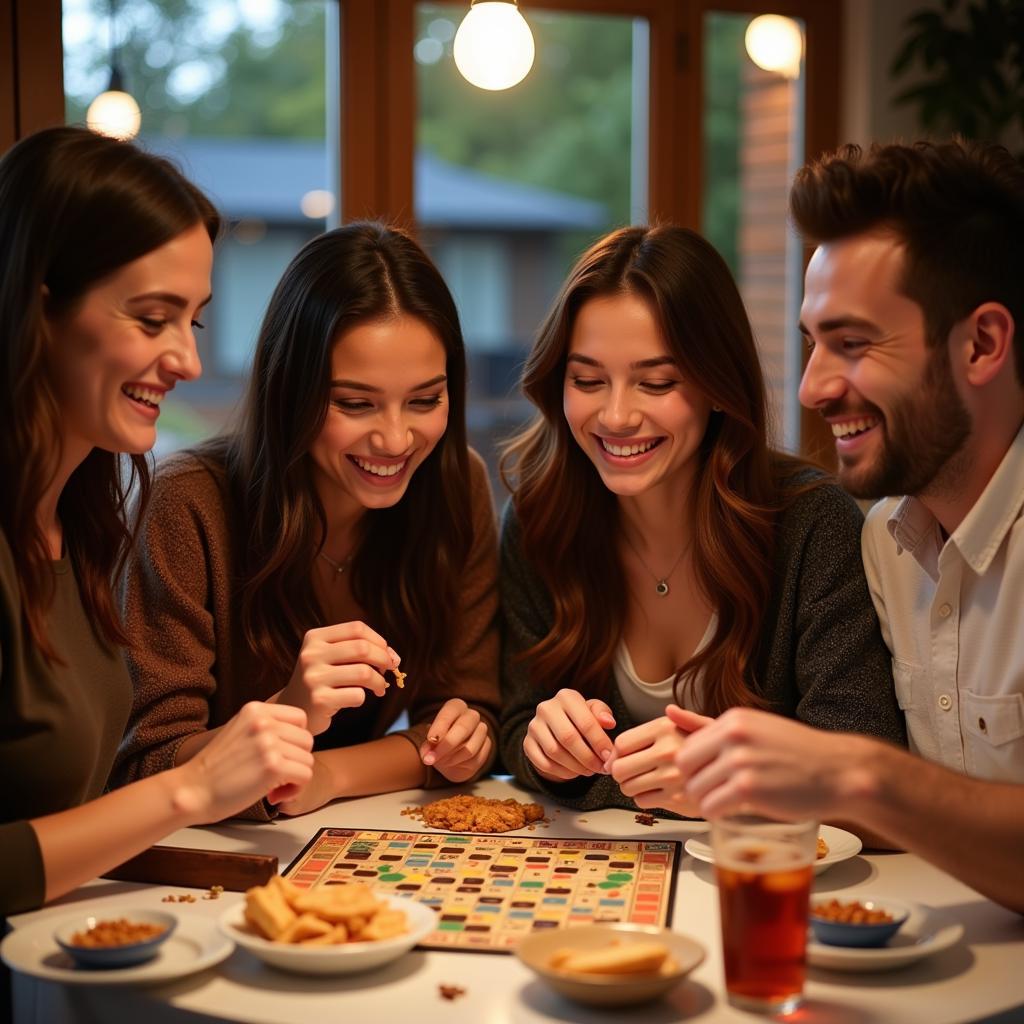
<point x="127" y="955"/>
<point x="846" y="933"/>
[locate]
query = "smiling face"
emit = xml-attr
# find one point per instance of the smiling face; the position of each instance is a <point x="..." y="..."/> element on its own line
<point x="891" y="401"/>
<point x="126" y="342"/>
<point x="388" y="410"/>
<point x="625" y="401"/>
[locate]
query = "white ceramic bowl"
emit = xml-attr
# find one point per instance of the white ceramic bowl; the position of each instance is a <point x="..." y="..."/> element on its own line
<point x="349" y="958"/>
<point x="127" y="955"/>
<point x="537" y="949"/>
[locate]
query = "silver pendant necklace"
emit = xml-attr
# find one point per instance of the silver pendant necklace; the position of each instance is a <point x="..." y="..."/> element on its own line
<point x="338" y="567"/>
<point x="661" y="587"/>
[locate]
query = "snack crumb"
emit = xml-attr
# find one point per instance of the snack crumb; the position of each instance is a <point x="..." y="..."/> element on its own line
<point x="450" y="992"/>
<point x="645" y="819"/>
<point x="214" y="892"/>
<point x="185" y="897"/>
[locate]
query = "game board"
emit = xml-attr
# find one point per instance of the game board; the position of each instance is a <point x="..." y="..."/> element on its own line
<point x="490" y="891"/>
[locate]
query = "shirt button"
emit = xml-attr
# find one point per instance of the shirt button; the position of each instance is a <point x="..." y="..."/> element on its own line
<point x="945" y="610"/>
<point x="944" y="702"/>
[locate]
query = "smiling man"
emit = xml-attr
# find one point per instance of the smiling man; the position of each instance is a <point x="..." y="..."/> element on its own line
<point x="914" y="311"/>
<point x="914" y="314"/>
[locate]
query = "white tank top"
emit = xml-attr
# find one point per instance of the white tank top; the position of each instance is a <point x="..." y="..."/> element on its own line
<point x="646" y="701"/>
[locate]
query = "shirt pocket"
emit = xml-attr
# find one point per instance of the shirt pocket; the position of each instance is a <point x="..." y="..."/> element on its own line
<point x="906" y="681"/>
<point x="995" y="720"/>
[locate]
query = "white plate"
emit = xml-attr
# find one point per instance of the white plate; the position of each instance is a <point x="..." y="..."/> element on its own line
<point x="926" y="931"/>
<point x="345" y="959"/>
<point x="842" y="845"/>
<point x="195" y="945"/>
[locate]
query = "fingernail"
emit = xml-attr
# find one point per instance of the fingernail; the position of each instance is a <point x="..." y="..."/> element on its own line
<point x="395" y="659"/>
<point x="434" y="739"/>
<point x="605" y="754"/>
<point x="429" y="758"/>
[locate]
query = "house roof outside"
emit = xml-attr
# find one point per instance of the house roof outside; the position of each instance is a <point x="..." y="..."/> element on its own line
<point x="265" y="179"/>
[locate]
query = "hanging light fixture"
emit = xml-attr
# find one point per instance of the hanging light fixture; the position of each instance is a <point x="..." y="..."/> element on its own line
<point x="494" y="45"/>
<point x="114" y="112"/>
<point x="775" y="43"/>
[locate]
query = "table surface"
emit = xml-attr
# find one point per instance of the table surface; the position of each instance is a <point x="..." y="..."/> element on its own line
<point x="981" y="977"/>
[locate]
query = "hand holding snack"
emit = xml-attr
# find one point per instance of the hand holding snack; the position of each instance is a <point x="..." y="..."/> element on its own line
<point x="458" y="743"/>
<point x="264" y="750"/>
<point x="568" y="736"/>
<point x="643" y="765"/>
<point x="335" y="667"/>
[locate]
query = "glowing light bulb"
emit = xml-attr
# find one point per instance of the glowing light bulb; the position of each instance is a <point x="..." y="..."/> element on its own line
<point x="114" y="113"/>
<point x="494" y="46"/>
<point x="775" y="43"/>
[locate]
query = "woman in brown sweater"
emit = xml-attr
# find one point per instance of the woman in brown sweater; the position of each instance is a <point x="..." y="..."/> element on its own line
<point x="107" y="254"/>
<point x="346" y="519"/>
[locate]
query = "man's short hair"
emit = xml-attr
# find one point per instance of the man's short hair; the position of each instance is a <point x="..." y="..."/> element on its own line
<point x="957" y="207"/>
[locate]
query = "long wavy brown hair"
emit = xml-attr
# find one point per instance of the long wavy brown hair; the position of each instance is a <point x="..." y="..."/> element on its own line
<point x="74" y="208"/>
<point x="567" y="515"/>
<point x="407" y="563"/>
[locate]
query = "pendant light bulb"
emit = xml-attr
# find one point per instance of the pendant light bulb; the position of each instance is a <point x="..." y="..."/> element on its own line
<point x="114" y="113"/>
<point x="494" y="46"/>
<point x="775" y="43"/>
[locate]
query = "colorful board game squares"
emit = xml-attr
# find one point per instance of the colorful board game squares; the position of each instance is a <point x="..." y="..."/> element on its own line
<point x="490" y="891"/>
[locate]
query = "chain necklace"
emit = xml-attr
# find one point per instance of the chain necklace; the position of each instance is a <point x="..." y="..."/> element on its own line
<point x="338" y="567"/>
<point x="661" y="587"/>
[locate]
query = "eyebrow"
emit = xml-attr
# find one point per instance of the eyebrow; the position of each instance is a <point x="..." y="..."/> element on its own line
<point x="839" y="322"/>
<point x="170" y="298"/>
<point x="355" y="385"/>
<point x="640" y="364"/>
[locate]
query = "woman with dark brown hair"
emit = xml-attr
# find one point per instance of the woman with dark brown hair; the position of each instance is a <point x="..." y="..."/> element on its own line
<point x="107" y="254"/>
<point x="346" y="509"/>
<point x="656" y="549"/>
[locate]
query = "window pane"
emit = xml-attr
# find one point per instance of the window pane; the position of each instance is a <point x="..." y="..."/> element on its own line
<point x="511" y="186"/>
<point x="235" y="93"/>
<point x="753" y="145"/>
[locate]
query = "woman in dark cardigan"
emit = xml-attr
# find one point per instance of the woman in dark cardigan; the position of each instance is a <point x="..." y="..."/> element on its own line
<point x="656" y="550"/>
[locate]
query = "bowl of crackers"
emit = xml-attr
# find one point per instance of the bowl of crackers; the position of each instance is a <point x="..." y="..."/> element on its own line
<point x="867" y="921"/>
<point x="335" y="929"/>
<point x="611" y="964"/>
<point x="123" y="941"/>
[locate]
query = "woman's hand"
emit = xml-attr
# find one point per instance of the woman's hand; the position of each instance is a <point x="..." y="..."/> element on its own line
<point x="644" y="766"/>
<point x="318" y="791"/>
<point x="458" y="743"/>
<point x="264" y="750"/>
<point x="568" y="736"/>
<point x="335" y="667"/>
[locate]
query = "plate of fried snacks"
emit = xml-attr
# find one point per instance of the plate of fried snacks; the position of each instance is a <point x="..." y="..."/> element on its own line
<point x="834" y="845"/>
<point x="335" y="929"/>
<point x="108" y="945"/>
<point x="611" y="964"/>
<point x="924" y="932"/>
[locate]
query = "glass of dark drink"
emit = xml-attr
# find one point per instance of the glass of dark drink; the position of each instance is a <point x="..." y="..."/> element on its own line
<point x="764" y="870"/>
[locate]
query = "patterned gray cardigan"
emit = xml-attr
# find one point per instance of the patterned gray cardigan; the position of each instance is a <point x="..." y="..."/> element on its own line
<point x="823" y="660"/>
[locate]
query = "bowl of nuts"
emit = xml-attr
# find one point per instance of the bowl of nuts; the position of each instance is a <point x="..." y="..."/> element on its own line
<point x="131" y="938"/>
<point x="867" y="921"/>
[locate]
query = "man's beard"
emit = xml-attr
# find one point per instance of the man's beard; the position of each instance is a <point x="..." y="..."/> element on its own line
<point x="921" y="436"/>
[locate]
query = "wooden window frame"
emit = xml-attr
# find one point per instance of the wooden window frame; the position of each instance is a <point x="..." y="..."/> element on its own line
<point x="378" y="98"/>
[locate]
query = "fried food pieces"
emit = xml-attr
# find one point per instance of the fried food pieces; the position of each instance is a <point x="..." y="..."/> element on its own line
<point x="117" y="932"/>
<point x="476" y="814"/>
<point x="282" y="912"/>
<point x="822" y="850"/>
<point x="618" y="958"/>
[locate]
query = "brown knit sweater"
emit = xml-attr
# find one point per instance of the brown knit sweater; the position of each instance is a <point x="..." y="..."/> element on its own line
<point x="190" y="665"/>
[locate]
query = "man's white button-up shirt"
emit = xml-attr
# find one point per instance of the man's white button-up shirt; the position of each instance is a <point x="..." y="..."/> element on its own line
<point x="952" y="615"/>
